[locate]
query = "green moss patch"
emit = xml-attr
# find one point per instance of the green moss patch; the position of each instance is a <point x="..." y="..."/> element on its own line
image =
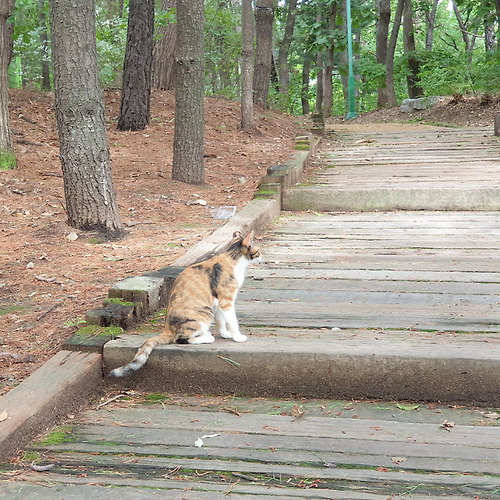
<point x="7" y="160"/>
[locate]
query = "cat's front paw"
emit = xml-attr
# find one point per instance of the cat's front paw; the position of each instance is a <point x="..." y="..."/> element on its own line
<point x="240" y="338"/>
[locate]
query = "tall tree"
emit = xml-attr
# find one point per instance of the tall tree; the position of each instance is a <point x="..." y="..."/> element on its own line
<point x="264" y="18"/>
<point x="329" y="55"/>
<point x="413" y="79"/>
<point x="136" y="88"/>
<point x="189" y="93"/>
<point x="284" y="49"/>
<point x="88" y="187"/>
<point x="44" y="49"/>
<point x="304" y="90"/>
<point x="383" y="21"/>
<point x="430" y="21"/>
<point x="7" y="158"/>
<point x="247" y="114"/>
<point x="391" y="50"/>
<point x="164" y="51"/>
<point x="497" y="10"/>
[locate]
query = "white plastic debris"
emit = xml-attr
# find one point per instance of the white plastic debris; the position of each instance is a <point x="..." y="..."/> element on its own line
<point x="224" y="212"/>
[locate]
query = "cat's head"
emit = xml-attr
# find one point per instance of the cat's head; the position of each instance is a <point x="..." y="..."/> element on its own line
<point x="246" y="247"/>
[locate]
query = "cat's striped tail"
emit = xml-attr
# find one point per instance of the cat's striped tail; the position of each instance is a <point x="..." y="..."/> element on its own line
<point x="142" y="355"/>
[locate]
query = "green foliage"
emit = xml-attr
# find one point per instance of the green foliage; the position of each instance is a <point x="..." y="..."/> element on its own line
<point x="7" y="160"/>
<point x="111" y="35"/>
<point x="222" y="49"/>
<point x="313" y="35"/>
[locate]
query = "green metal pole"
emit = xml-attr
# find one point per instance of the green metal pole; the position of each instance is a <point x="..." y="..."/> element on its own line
<point x="350" y="85"/>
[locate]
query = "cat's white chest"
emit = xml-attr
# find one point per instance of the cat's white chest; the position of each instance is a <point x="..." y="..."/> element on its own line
<point x="239" y="270"/>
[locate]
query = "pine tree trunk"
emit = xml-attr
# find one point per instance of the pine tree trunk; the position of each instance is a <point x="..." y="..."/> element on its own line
<point x="283" y="70"/>
<point x="247" y="114"/>
<point x="489" y="33"/>
<point x="88" y="187"/>
<point x="264" y="17"/>
<point x="304" y="95"/>
<point x="189" y="93"/>
<point x="6" y="145"/>
<point x="430" y="21"/>
<point x="136" y="87"/>
<point x="44" y="52"/>
<point x="384" y="18"/>
<point x="391" y="50"/>
<point x="328" y="85"/>
<point x="413" y="79"/>
<point x="163" y="52"/>
<point x="319" y="83"/>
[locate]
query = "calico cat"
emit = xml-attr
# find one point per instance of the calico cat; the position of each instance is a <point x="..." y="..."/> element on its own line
<point x="201" y="293"/>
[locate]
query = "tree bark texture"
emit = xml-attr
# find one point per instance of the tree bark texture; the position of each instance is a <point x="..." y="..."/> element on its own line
<point x="189" y="93"/>
<point x="247" y="114"/>
<point x="489" y="33"/>
<point x="164" y="51"/>
<point x="88" y="186"/>
<point x="136" y="87"/>
<point x="497" y="10"/>
<point x="319" y="83"/>
<point x="413" y="79"/>
<point x="430" y="21"/>
<point x="264" y="18"/>
<point x="328" y="72"/>
<point x="6" y="8"/>
<point x="304" y="92"/>
<point x="284" y="49"/>
<point x="391" y="49"/>
<point x="384" y="18"/>
<point x="44" y="51"/>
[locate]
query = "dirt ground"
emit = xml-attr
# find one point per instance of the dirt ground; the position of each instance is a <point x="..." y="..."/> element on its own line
<point x="49" y="279"/>
<point x="50" y="274"/>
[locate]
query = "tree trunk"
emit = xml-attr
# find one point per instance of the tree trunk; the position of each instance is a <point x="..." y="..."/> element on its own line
<point x="384" y="18"/>
<point x="264" y="17"/>
<point x="343" y="55"/>
<point x="189" y="92"/>
<point x="44" y="52"/>
<point x="319" y="83"/>
<point x="430" y="21"/>
<point x="304" y="94"/>
<point x="497" y="10"/>
<point x="391" y="50"/>
<point x="136" y="87"/>
<point x="7" y="159"/>
<point x="328" y="85"/>
<point x="164" y="51"/>
<point x="115" y="8"/>
<point x="463" y="28"/>
<point x="88" y="187"/>
<point x="413" y="79"/>
<point x="489" y="33"/>
<point x="283" y="70"/>
<point x="247" y="114"/>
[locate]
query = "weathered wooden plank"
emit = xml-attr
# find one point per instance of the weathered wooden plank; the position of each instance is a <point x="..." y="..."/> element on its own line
<point x="283" y="425"/>
<point x="373" y="297"/>
<point x="359" y="320"/>
<point x="292" y="283"/>
<point x="374" y="274"/>
<point x="145" y="464"/>
<point x="449" y="458"/>
<point x="118" y="487"/>
<point x="340" y="314"/>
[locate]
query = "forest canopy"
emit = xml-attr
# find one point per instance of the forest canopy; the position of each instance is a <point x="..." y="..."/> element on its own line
<point x="456" y="49"/>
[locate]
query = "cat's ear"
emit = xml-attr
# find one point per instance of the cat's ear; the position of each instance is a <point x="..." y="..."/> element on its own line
<point x="248" y="240"/>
